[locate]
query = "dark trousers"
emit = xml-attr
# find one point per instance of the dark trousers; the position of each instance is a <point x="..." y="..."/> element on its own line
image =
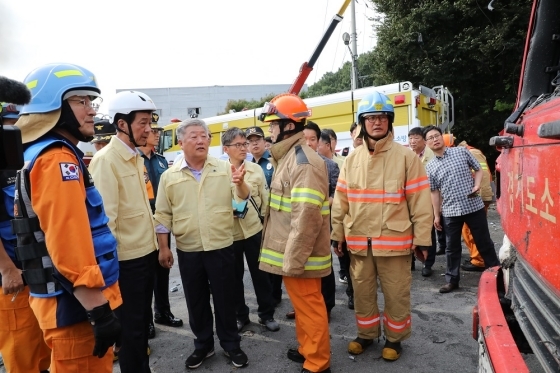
<point x="478" y="225"/>
<point x="251" y="247"/>
<point x="346" y="261"/>
<point x="161" y="287"/>
<point x="328" y="289"/>
<point x="136" y="281"/>
<point x="441" y="236"/>
<point x="276" y="282"/>
<point x="431" y="259"/>
<point x="217" y="267"/>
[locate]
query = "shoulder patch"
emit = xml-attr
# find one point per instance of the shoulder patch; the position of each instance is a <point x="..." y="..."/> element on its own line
<point x="301" y="158"/>
<point x="69" y="171"/>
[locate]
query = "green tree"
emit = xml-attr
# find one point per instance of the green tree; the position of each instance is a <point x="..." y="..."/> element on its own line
<point x="339" y="81"/>
<point x="240" y="105"/>
<point x="475" y="52"/>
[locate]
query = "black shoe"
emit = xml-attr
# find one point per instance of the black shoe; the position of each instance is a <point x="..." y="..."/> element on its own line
<point x="294" y="355"/>
<point x="241" y="324"/>
<point x="440" y="251"/>
<point x="238" y="357"/>
<point x="291" y="314"/>
<point x="328" y="370"/>
<point x="151" y="330"/>
<point x="448" y="288"/>
<point x="351" y="302"/>
<point x="167" y="318"/>
<point x="471" y="267"/>
<point x="270" y="324"/>
<point x="198" y="356"/>
<point x="427" y="271"/>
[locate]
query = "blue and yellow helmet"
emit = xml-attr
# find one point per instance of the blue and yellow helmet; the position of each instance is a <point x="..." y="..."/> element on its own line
<point x="49" y="83"/>
<point x="375" y="103"/>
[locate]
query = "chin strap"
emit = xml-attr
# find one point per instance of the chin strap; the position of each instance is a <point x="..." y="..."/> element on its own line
<point x="129" y="133"/>
<point x="69" y="122"/>
<point x="298" y="127"/>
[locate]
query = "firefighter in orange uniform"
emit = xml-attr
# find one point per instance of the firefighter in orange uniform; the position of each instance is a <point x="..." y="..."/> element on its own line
<point x="382" y="209"/>
<point x="476" y="263"/>
<point x="68" y="254"/>
<point x="18" y="325"/>
<point x="296" y="240"/>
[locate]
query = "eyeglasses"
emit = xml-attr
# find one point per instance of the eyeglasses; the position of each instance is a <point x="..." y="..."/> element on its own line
<point x="432" y="138"/>
<point x="375" y="118"/>
<point x="239" y="145"/>
<point x="87" y="103"/>
<point x="155" y="131"/>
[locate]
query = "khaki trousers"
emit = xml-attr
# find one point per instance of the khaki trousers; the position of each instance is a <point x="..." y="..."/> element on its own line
<point x="395" y="279"/>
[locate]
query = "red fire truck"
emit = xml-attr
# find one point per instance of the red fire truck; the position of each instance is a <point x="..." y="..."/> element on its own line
<point x="517" y="316"/>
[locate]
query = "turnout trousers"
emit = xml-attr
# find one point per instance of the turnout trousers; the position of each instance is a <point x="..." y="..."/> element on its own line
<point x="312" y="325"/>
<point x="72" y="350"/>
<point x="21" y="340"/>
<point x="395" y="279"/>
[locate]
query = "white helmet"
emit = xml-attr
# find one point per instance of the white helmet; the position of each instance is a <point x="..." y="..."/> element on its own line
<point x="126" y="101"/>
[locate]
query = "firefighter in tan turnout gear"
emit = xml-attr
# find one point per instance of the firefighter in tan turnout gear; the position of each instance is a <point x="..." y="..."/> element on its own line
<point x="296" y="241"/>
<point x="382" y="209"/>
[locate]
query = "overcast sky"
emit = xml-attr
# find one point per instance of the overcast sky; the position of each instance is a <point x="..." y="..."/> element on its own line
<point x="177" y="43"/>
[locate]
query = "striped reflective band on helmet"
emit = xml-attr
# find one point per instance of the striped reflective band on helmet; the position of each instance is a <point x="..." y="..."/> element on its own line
<point x="308" y="195"/>
<point x="313" y="263"/>
<point x="280" y="203"/>
<point x="416" y="185"/>
<point x="397" y="326"/>
<point x="65" y="73"/>
<point x="368" y="322"/>
<point x="379" y="243"/>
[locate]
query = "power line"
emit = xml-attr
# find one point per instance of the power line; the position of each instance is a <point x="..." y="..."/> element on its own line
<point x="324" y="23"/>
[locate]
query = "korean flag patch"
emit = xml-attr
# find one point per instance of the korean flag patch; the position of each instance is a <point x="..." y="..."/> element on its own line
<point x="69" y="171"/>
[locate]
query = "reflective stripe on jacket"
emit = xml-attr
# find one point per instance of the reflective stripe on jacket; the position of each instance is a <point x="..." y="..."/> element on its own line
<point x="382" y="201"/>
<point x="296" y="236"/>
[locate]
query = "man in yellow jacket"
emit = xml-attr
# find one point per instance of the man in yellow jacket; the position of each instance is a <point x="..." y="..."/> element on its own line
<point x="194" y="202"/>
<point x="476" y="263"/>
<point x="296" y="241"/>
<point x="382" y="210"/>
<point x="119" y="172"/>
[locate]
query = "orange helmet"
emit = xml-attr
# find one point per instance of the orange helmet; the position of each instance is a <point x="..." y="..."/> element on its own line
<point x="448" y="139"/>
<point x="285" y="106"/>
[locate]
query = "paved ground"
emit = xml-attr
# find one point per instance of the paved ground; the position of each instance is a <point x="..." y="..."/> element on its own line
<point x="441" y="338"/>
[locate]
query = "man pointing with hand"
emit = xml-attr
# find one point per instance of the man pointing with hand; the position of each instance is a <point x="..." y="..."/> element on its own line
<point x="194" y="202"/>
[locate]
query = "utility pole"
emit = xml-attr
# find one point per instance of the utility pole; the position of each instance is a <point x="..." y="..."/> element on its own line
<point x="353" y="41"/>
